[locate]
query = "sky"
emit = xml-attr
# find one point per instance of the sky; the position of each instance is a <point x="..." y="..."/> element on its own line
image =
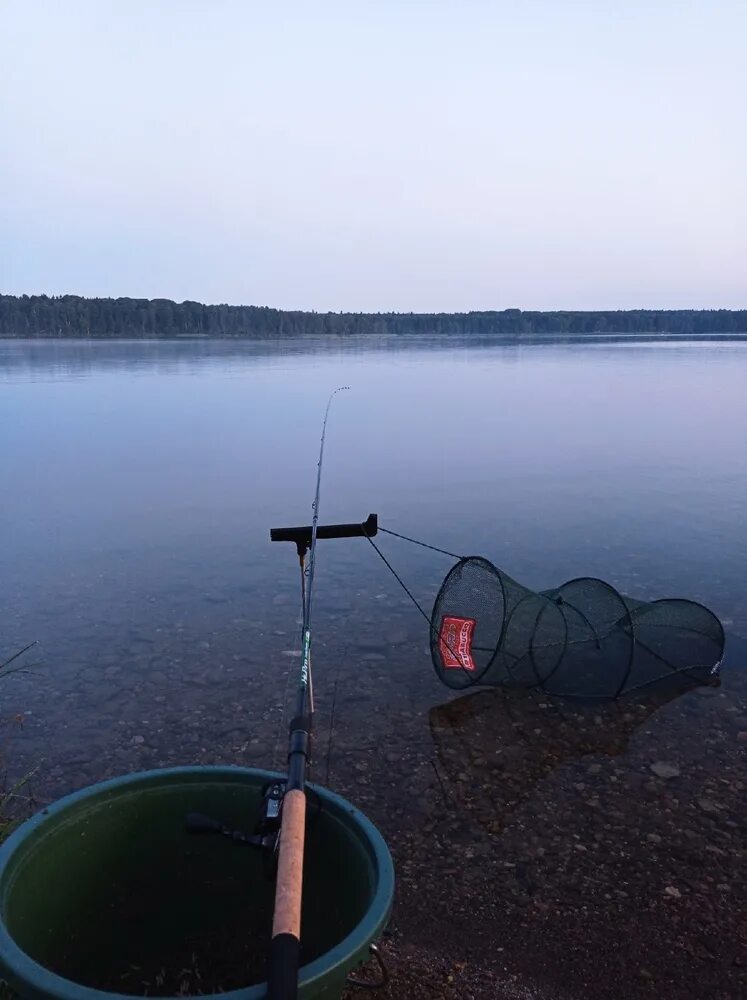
<point x="374" y="156"/>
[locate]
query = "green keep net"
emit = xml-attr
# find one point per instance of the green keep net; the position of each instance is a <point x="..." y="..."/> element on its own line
<point x="582" y="639"/>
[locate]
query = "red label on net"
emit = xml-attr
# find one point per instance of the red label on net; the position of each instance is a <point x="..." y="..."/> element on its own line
<point x="455" y="642"/>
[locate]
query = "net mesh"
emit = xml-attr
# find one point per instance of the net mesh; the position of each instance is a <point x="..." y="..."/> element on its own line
<point x="582" y="639"/>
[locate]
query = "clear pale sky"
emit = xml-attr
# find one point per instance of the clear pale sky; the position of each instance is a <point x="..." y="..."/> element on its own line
<point x="373" y="156"/>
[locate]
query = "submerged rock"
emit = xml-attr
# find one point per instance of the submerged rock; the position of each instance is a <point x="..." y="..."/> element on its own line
<point x="664" y="770"/>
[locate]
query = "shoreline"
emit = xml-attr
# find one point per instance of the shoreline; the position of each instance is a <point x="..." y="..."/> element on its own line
<point x="527" y="338"/>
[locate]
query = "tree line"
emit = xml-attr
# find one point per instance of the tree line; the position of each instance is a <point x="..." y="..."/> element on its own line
<point x="75" y="316"/>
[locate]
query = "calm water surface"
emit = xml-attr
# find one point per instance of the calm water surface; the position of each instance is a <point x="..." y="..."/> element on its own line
<point x="140" y="483"/>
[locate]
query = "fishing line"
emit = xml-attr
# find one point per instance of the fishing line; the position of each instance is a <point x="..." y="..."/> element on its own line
<point x="281" y="723"/>
<point x="330" y="737"/>
<point x="284" y="704"/>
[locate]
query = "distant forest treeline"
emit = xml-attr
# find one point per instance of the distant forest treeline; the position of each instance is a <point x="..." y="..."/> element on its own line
<point x="74" y="316"/>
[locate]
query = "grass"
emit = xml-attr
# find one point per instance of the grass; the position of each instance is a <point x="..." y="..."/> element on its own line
<point x="15" y="800"/>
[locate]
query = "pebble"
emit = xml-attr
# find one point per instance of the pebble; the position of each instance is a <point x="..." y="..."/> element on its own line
<point x="708" y="806"/>
<point x="706" y="692"/>
<point x="664" y="770"/>
<point x="742" y="737"/>
<point x="672" y="891"/>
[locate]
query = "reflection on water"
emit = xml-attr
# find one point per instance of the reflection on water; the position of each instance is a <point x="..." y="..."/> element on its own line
<point x="53" y="359"/>
<point x="140" y="483"/>
<point x="494" y="746"/>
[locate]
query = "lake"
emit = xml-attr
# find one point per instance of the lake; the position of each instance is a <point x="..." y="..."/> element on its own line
<point x="140" y="483"/>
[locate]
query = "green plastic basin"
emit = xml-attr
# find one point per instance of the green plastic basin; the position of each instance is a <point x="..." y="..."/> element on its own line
<point x="105" y="894"/>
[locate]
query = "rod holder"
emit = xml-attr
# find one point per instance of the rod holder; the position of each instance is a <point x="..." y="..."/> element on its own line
<point x="302" y="534"/>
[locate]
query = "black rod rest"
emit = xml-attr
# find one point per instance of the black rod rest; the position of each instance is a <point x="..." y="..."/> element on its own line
<point x="302" y="534"/>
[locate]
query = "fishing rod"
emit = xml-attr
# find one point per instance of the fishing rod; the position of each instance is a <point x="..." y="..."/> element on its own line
<point x="285" y="945"/>
<point x="280" y="830"/>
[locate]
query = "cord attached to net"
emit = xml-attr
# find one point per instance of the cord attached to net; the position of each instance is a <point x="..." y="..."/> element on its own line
<point x="394" y="572"/>
<point x="398" y="578"/>
<point x="414" y="541"/>
<point x="409" y="593"/>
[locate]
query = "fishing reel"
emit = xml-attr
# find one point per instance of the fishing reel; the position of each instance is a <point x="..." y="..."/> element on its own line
<point x="266" y="832"/>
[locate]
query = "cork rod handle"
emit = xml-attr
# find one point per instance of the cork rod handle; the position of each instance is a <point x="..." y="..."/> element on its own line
<point x="286" y="925"/>
<point x="287" y="918"/>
